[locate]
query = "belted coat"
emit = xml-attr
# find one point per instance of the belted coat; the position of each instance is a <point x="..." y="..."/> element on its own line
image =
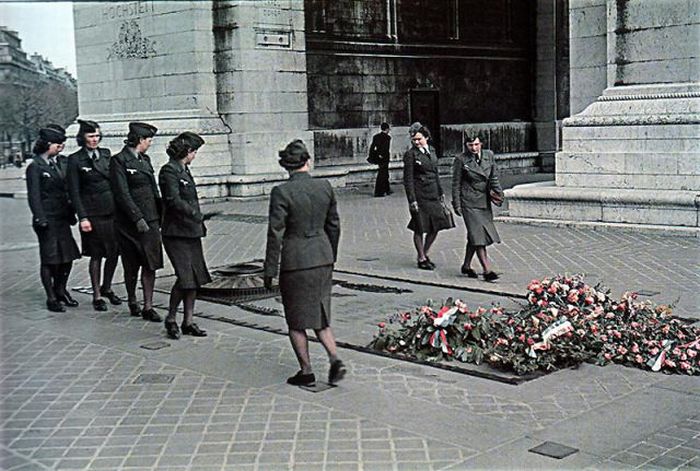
<point x="89" y="184"/>
<point x="134" y="187"/>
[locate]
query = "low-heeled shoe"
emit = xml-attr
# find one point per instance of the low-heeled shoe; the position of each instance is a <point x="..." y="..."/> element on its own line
<point x="491" y="276"/>
<point x="336" y="372"/>
<point x="301" y="379"/>
<point x="193" y="330"/>
<point x="425" y="265"/>
<point x="172" y="329"/>
<point x="99" y="305"/>
<point x="151" y="315"/>
<point x="66" y="299"/>
<point x="469" y="272"/>
<point x="113" y="298"/>
<point x="134" y="310"/>
<point x="430" y="262"/>
<point x="54" y="305"/>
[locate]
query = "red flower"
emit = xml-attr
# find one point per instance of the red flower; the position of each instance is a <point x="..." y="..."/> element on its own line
<point x="684" y="365"/>
<point x="589" y="300"/>
<point x="521" y="337"/>
<point x="381" y="325"/>
<point x="468" y="326"/>
<point x="572" y="297"/>
<point x="607" y="356"/>
<point x="639" y="359"/>
<point x="530" y="342"/>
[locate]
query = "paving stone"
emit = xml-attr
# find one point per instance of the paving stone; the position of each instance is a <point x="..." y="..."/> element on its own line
<point x="666" y="462"/>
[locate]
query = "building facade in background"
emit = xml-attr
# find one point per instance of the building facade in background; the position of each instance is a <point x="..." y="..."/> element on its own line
<point x="32" y="93"/>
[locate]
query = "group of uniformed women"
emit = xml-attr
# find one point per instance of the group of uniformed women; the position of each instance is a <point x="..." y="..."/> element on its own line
<point x="120" y="210"/>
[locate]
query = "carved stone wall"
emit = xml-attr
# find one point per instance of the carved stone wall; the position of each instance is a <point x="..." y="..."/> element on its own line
<point x="364" y="58"/>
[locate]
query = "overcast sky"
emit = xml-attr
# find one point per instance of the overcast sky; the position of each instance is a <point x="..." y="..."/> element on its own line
<point x="43" y="27"/>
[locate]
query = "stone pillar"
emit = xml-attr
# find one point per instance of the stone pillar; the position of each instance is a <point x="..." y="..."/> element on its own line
<point x="152" y="61"/>
<point x="261" y="85"/>
<point x="632" y="157"/>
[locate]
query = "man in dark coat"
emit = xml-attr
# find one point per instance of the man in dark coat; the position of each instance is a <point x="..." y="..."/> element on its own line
<point x="91" y="193"/>
<point x="137" y="204"/>
<point x="380" y="152"/>
<point x="302" y="246"/>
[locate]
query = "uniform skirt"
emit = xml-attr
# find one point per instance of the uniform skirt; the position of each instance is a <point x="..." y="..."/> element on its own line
<point x="430" y="218"/>
<point x="101" y="241"/>
<point x="56" y="243"/>
<point x="187" y="258"/>
<point x="306" y="296"/>
<point x="138" y="248"/>
<point x="480" y="228"/>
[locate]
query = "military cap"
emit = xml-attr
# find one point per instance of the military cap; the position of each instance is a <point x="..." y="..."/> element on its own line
<point x="142" y="130"/>
<point x="53" y="135"/>
<point x="87" y="127"/>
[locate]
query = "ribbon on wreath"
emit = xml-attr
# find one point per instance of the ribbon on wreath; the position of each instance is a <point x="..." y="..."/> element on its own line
<point x="558" y="328"/>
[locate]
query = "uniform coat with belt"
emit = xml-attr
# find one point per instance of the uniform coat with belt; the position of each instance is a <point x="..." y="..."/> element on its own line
<point x="183" y="225"/>
<point x="471" y="182"/>
<point x="52" y="212"/>
<point x="136" y="197"/>
<point x="91" y="193"/>
<point x="302" y="246"/>
<point x="422" y="183"/>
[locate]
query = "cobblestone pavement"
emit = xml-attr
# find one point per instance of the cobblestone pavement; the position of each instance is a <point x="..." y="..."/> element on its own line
<point x="79" y="391"/>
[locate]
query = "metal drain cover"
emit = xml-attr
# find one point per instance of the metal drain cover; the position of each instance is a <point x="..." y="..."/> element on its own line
<point x="553" y="450"/>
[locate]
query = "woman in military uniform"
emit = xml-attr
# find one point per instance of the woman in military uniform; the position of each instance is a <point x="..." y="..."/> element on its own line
<point x="302" y="246"/>
<point x="474" y="178"/>
<point x="91" y="193"/>
<point x="424" y="193"/>
<point x="183" y="229"/>
<point x="137" y="216"/>
<point x="52" y="216"/>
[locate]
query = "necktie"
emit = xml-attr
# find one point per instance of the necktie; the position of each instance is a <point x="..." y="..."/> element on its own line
<point x="52" y="164"/>
<point x="95" y="156"/>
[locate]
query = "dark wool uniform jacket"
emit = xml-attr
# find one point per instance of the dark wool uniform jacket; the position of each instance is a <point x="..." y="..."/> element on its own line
<point x="471" y="182"/>
<point x="88" y="184"/>
<point x="304" y="227"/>
<point x="181" y="214"/>
<point x="134" y="187"/>
<point x="46" y="193"/>
<point x="420" y="176"/>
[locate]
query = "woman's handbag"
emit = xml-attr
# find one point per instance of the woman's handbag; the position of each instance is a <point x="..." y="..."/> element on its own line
<point x="495" y="197"/>
<point x="447" y="213"/>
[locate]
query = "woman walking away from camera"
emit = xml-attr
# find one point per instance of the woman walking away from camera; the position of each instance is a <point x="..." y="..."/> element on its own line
<point x="303" y="231"/>
<point x="474" y="185"/>
<point x="183" y="229"/>
<point x="91" y="194"/>
<point x="137" y="203"/>
<point x="52" y="216"/>
<point x="425" y="196"/>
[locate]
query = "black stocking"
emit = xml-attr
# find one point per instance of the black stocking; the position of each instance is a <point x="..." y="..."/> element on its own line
<point x="110" y="268"/>
<point x="131" y="274"/>
<point x="189" y="295"/>
<point x="46" y="272"/>
<point x="61" y="274"/>
<point x="175" y="299"/>
<point x="94" y="269"/>
<point x="148" y="282"/>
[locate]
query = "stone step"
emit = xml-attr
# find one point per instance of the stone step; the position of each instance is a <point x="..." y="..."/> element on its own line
<point x="546" y="201"/>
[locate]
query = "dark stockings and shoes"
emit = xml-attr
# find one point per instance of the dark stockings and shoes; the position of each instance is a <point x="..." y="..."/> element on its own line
<point x="60" y="282"/>
<point x="148" y="278"/>
<point x="300" y="345"/>
<point x="422" y="247"/>
<point x="106" y="288"/>
<point x="187" y="297"/>
<point x="48" y="275"/>
<point x="480" y="251"/>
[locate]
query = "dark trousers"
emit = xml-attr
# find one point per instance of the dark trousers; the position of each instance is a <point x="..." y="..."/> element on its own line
<point x="381" y="186"/>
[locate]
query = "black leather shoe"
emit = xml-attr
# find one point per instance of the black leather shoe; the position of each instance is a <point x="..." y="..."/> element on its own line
<point x="55" y="305"/>
<point x="134" y="310"/>
<point x="113" y="298"/>
<point x="99" y="305"/>
<point x="300" y="379"/>
<point x="337" y="372"/>
<point x="425" y="265"/>
<point x="151" y="315"/>
<point x="193" y="330"/>
<point x="430" y="262"/>
<point x="172" y="329"/>
<point x="468" y="271"/>
<point x="66" y="299"/>
<point x="491" y="276"/>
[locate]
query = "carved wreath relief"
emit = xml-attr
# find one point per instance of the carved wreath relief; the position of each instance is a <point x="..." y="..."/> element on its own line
<point x="131" y="44"/>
